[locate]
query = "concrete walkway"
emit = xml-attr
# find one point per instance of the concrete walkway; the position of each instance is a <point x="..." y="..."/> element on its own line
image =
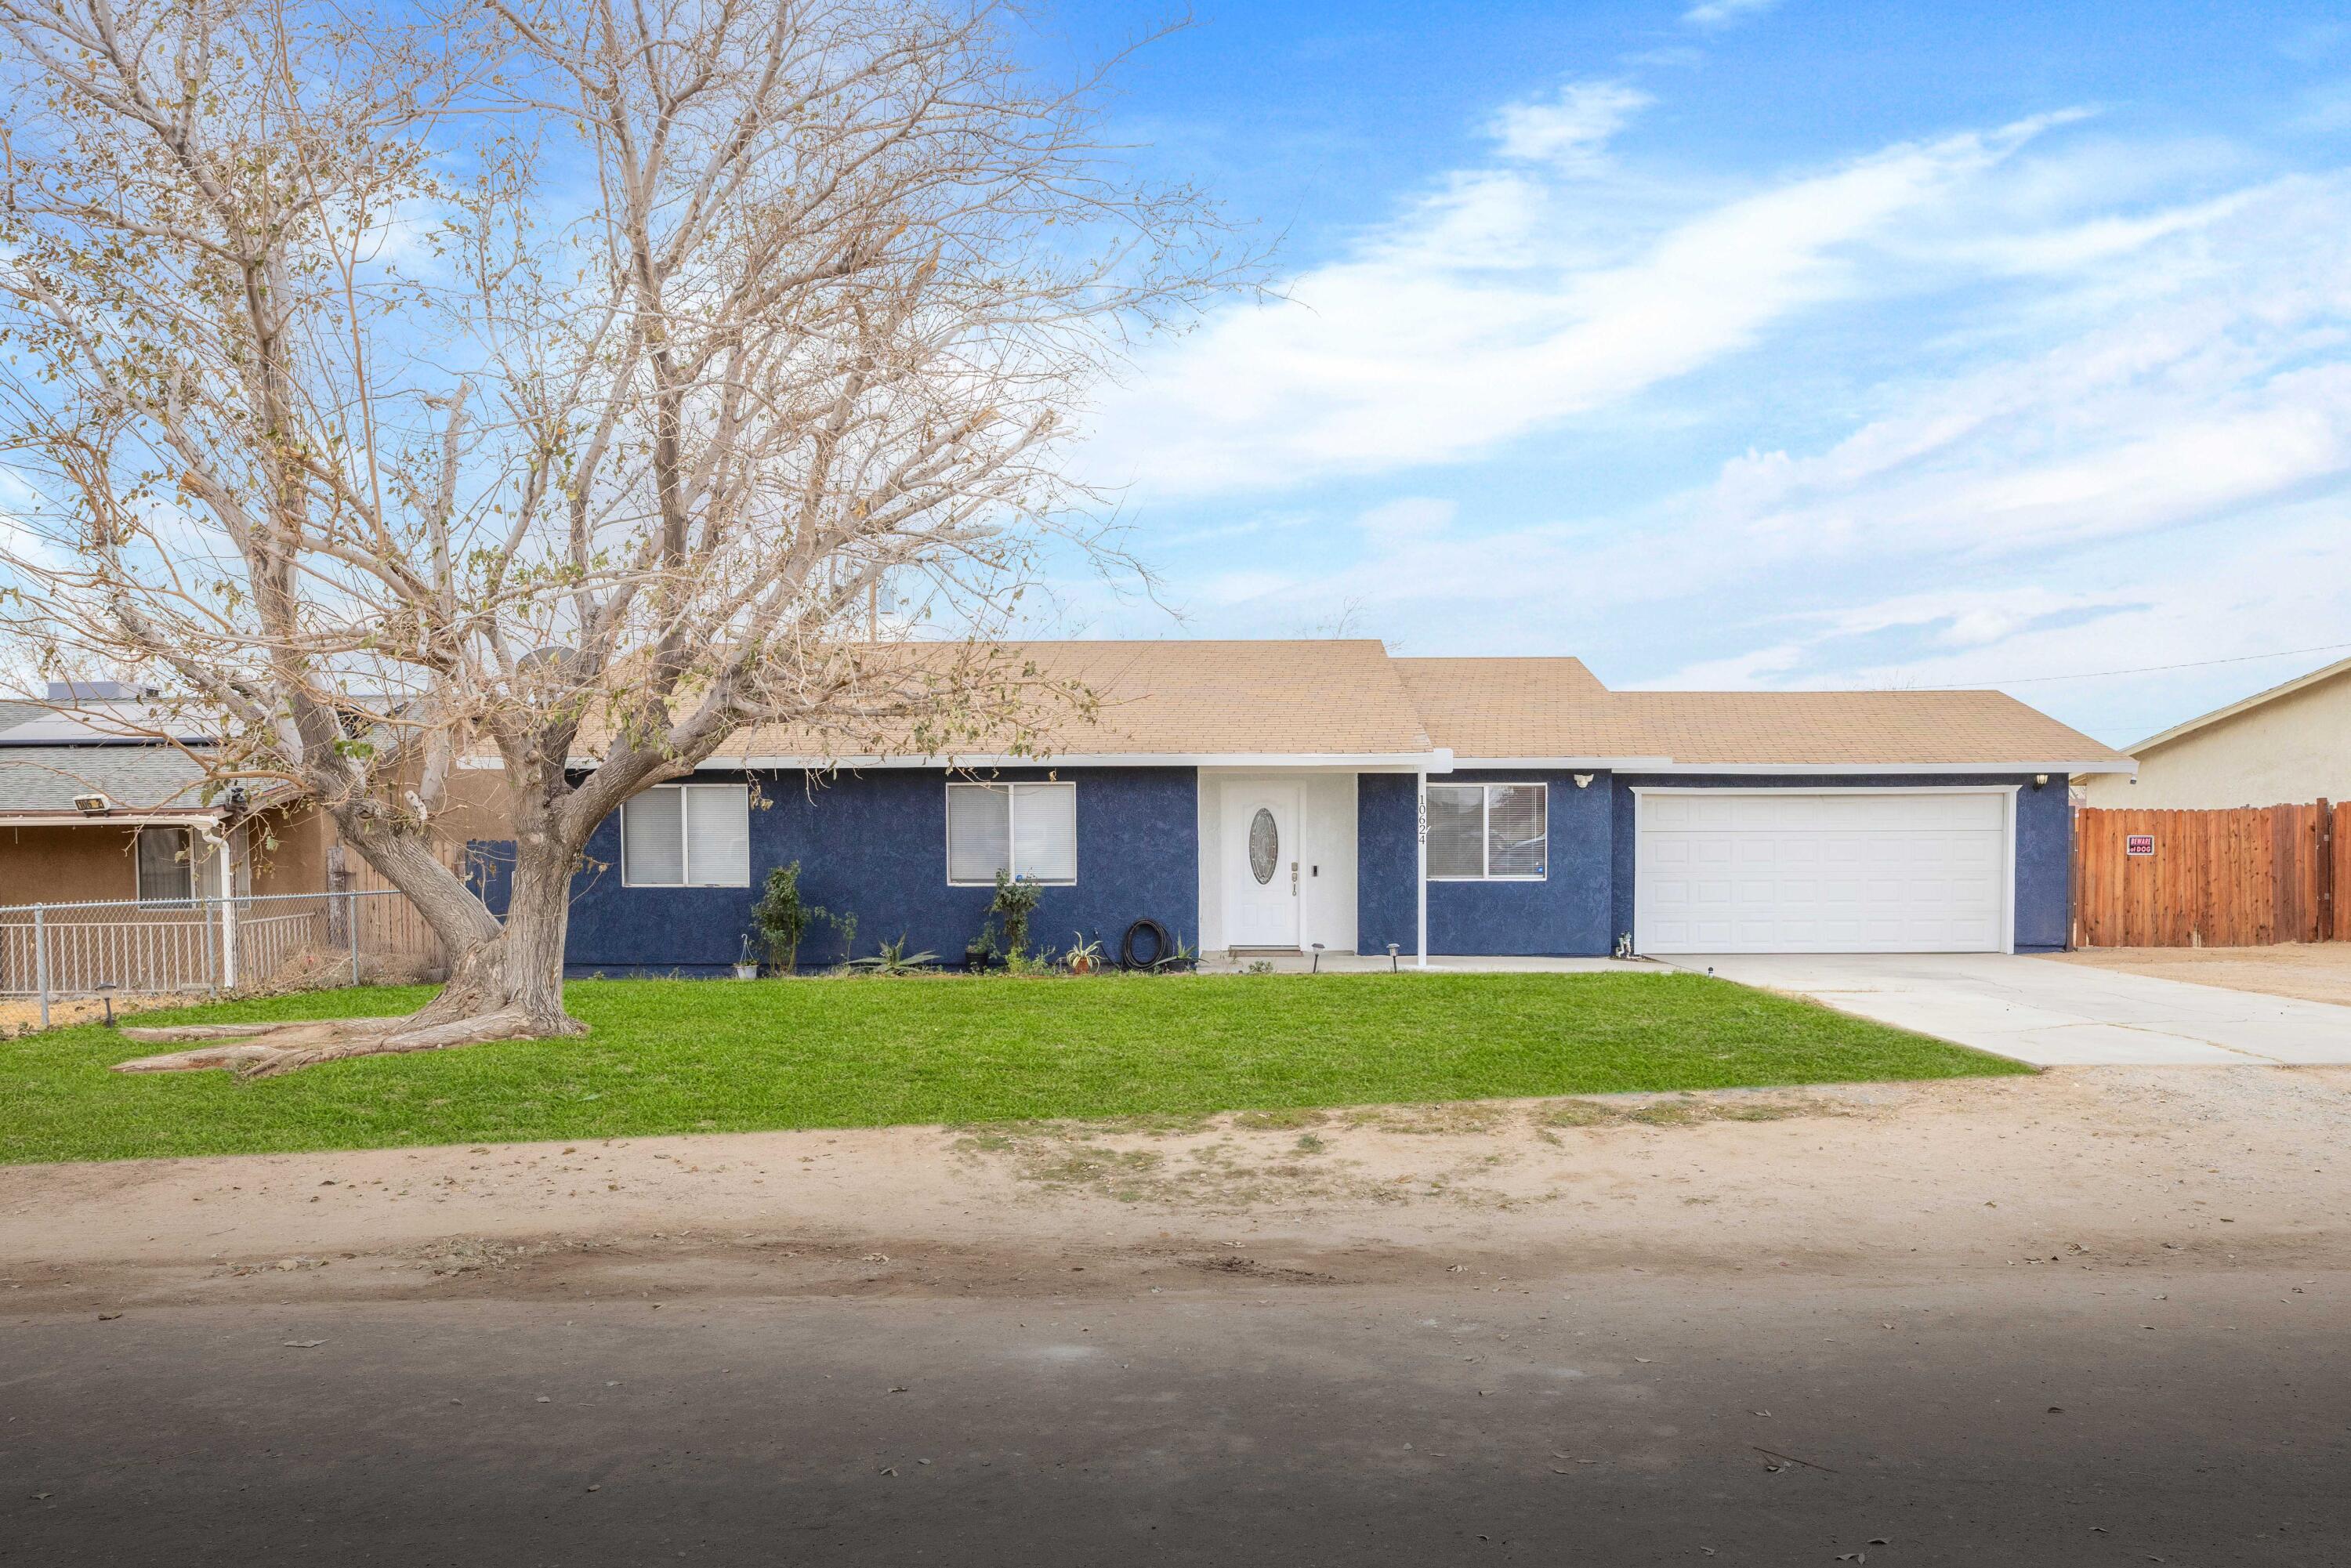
<point x="2055" y="1014"/>
<point x="1284" y="963"/>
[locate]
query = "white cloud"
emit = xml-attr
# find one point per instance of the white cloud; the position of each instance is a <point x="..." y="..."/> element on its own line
<point x="1570" y="129"/>
<point x="2147" y="613"/>
<point x="2226" y="390"/>
<point x="2100" y="420"/>
<point x="1504" y="304"/>
<point x="1723" y="13"/>
<point x="1407" y="519"/>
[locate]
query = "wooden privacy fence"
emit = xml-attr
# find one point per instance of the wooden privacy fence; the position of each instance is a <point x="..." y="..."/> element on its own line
<point x="2244" y="878"/>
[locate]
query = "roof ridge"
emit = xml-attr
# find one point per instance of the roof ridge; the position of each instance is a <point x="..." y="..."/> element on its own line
<point x="2242" y="704"/>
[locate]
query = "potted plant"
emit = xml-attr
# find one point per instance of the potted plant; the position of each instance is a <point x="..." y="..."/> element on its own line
<point x="1084" y="957"/>
<point x="746" y="966"/>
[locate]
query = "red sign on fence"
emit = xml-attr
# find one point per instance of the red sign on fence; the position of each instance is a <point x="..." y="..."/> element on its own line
<point x="2138" y="844"/>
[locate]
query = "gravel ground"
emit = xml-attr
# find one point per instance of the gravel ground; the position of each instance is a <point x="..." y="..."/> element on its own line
<point x="2315" y="972"/>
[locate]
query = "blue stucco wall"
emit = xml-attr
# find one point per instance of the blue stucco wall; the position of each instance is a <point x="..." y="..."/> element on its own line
<point x="2044" y="840"/>
<point x="1567" y="914"/>
<point x="1588" y="898"/>
<point x="875" y="844"/>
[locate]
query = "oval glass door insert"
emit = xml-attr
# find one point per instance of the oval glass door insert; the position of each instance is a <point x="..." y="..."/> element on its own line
<point x="1264" y="845"/>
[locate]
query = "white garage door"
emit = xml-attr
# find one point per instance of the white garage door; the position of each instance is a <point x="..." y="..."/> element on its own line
<point x="1783" y="871"/>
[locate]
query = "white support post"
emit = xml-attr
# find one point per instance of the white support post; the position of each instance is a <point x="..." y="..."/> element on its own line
<point x="227" y="919"/>
<point x="1420" y="868"/>
<point x="41" y="962"/>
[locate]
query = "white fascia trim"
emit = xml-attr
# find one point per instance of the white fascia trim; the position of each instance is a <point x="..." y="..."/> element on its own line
<point x="189" y="817"/>
<point x="1828" y="770"/>
<point x="1438" y="761"/>
<point x="1571" y="764"/>
<point x="1640" y="789"/>
<point x="1402" y="762"/>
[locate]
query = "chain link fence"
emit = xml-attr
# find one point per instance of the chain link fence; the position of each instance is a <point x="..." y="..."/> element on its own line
<point x="212" y="946"/>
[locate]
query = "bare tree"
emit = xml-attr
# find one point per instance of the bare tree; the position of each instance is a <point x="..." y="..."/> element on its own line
<point x="553" y="379"/>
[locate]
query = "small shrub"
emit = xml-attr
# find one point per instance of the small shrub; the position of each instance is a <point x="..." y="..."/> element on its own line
<point x="893" y="959"/>
<point x="1015" y="902"/>
<point x="784" y="918"/>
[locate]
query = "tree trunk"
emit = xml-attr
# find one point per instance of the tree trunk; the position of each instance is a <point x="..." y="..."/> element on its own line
<point x="520" y="969"/>
<point x="504" y="982"/>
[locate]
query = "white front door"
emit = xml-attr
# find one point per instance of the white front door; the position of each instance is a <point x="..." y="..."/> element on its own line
<point x="1260" y="857"/>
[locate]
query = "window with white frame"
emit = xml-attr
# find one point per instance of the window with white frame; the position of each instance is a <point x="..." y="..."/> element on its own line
<point x="687" y="835"/>
<point x="167" y="865"/>
<point x="1488" y="832"/>
<point x="1022" y="830"/>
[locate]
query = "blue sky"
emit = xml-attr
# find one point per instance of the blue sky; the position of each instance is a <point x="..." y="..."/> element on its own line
<point x="1759" y="344"/>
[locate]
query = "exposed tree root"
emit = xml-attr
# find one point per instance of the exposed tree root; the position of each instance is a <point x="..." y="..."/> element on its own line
<point x="265" y="1051"/>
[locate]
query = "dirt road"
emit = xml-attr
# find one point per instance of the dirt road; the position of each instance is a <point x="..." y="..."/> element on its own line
<point x="2085" y="1318"/>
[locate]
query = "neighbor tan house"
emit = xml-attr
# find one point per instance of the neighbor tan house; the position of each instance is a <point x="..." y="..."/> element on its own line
<point x="2288" y="745"/>
<point x="94" y="809"/>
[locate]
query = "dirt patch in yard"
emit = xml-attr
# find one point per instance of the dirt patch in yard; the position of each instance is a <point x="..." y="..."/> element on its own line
<point x="2312" y="971"/>
<point x="22" y="1015"/>
<point x="2121" y="1166"/>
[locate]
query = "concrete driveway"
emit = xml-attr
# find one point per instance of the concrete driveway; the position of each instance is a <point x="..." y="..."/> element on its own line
<point x="2053" y="1014"/>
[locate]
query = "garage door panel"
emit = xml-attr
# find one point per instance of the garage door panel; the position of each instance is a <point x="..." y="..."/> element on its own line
<point x="1815" y="872"/>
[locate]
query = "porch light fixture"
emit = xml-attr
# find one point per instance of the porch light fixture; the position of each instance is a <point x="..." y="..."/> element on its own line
<point x="1584" y="781"/>
<point x="92" y="805"/>
<point x="2040" y="780"/>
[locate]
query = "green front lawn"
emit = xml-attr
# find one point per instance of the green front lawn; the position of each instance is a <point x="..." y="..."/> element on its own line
<point x="685" y="1056"/>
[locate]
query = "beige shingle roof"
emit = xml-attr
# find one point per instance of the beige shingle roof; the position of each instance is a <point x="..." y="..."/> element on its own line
<point x="1347" y="698"/>
<point x="1512" y="708"/>
<point x="1319" y="696"/>
<point x="1904" y="728"/>
<point x="1553" y="708"/>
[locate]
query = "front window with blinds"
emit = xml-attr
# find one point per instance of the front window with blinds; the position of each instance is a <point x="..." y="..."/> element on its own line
<point x="1022" y="830"/>
<point x="1488" y="832"/>
<point x="687" y="835"/>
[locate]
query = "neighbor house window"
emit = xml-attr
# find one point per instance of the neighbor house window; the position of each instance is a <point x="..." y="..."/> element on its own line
<point x="167" y="865"/>
<point x="1488" y="832"/>
<point x="687" y="835"/>
<point x="1021" y="830"/>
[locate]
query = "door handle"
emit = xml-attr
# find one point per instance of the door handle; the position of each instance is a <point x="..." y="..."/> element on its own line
<point x="1293" y="879"/>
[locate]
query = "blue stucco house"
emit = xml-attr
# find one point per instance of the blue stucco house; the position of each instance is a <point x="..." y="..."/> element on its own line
<point x="1280" y="795"/>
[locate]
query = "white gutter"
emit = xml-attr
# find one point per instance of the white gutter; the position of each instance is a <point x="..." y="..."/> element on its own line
<point x="1436" y="761"/>
<point x="1571" y="764"/>
<point x="1824" y="769"/>
<point x="1420" y="762"/>
<point x="1398" y="761"/>
<point x="115" y="820"/>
